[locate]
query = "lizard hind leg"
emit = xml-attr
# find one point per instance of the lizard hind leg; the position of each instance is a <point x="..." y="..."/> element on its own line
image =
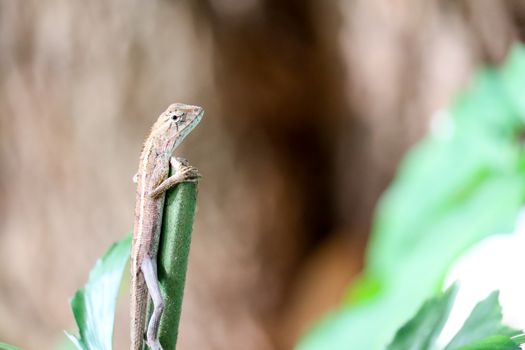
<point x="149" y="269"/>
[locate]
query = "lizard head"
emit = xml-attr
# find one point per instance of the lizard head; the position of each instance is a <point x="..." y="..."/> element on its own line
<point x="177" y="122"/>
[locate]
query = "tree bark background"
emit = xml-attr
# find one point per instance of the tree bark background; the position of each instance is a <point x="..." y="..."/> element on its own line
<point x="309" y="107"/>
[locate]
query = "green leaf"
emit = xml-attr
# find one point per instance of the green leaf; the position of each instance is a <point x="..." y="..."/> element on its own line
<point x="94" y="305"/>
<point x="5" y="346"/>
<point x="485" y="320"/>
<point x="421" y="331"/>
<point x="519" y="339"/>
<point x="482" y="330"/>
<point x="496" y="342"/>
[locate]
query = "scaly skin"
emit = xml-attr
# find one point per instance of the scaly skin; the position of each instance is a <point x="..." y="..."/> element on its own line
<point x="152" y="178"/>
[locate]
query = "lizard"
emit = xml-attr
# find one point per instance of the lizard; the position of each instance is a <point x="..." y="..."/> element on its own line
<point x="153" y="181"/>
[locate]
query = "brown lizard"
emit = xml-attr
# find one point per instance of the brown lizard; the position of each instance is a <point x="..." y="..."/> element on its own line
<point x="153" y="181"/>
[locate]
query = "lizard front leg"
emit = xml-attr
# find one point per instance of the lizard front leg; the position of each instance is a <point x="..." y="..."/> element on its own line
<point x="183" y="173"/>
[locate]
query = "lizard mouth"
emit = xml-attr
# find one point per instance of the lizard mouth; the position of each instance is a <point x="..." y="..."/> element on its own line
<point x="199" y="111"/>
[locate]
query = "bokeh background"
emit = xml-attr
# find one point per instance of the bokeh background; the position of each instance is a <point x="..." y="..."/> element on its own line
<point x="310" y="105"/>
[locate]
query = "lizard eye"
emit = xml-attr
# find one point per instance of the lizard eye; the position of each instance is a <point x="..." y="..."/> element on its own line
<point x="177" y="114"/>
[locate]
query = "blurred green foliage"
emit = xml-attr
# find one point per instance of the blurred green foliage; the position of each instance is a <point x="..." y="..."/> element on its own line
<point x="5" y="346"/>
<point x="463" y="182"/>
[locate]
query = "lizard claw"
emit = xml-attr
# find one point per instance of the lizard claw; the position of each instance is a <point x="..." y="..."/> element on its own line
<point x="190" y="173"/>
<point x="186" y="171"/>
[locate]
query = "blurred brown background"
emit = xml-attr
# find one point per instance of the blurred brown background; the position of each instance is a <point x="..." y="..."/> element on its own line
<point x="309" y="107"/>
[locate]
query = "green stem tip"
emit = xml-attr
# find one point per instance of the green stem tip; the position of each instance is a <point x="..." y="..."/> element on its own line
<point x="172" y="260"/>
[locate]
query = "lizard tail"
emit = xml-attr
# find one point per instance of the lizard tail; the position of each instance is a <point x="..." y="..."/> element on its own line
<point x="138" y="312"/>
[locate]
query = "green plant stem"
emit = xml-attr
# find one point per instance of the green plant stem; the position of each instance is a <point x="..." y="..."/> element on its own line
<point x="174" y="247"/>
